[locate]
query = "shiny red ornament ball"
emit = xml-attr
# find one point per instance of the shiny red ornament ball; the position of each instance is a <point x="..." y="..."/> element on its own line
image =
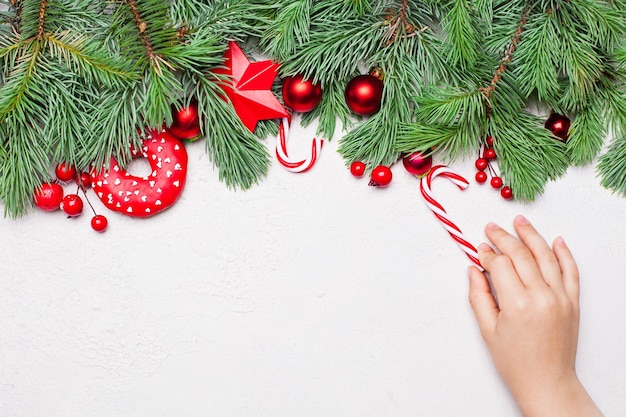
<point x="72" y="205"/>
<point x="99" y="223"/>
<point x="381" y="176"/>
<point x="186" y="122"/>
<point x="301" y="95"/>
<point x="357" y="169"/>
<point x="496" y="182"/>
<point x="481" y="164"/>
<point x="417" y="164"/>
<point x="65" y="172"/>
<point x="481" y="177"/>
<point x="363" y="94"/>
<point x="48" y="196"/>
<point x="506" y="193"/>
<point x="489" y="141"/>
<point x="489" y="154"/>
<point x="558" y="125"/>
<point x="84" y="179"/>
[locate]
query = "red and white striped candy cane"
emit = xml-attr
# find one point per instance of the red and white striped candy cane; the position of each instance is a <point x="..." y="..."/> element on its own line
<point x="440" y="212"/>
<point x="283" y="158"/>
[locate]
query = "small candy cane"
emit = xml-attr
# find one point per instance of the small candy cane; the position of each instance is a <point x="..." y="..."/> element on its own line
<point x="440" y="212"/>
<point x="288" y="163"/>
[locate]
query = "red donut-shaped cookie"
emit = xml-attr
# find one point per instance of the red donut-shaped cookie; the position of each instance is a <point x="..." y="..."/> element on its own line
<point x="145" y="196"/>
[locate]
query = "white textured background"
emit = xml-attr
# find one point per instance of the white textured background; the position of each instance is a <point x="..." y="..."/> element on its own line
<point x="310" y="295"/>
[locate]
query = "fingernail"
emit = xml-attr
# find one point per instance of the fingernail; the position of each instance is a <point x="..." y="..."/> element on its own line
<point x="492" y="226"/>
<point x="484" y="247"/>
<point x="561" y="242"/>
<point x="521" y="220"/>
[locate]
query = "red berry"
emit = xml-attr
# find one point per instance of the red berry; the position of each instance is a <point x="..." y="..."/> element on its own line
<point x="489" y="141"/>
<point x="496" y="182"/>
<point x="381" y="176"/>
<point x="99" y="223"/>
<point x="72" y="205"/>
<point x="506" y="193"/>
<point x="84" y="179"/>
<point x="489" y="154"/>
<point x="481" y="177"/>
<point x="48" y="197"/>
<point x="357" y="169"/>
<point x="65" y="172"/>
<point x="481" y="164"/>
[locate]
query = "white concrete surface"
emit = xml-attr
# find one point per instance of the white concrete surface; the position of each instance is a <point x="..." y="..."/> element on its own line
<point x="310" y="295"/>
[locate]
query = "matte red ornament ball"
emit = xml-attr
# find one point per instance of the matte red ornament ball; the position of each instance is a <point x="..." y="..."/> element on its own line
<point x="186" y="122"/>
<point x="558" y="125"/>
<point x="301" y="95"/>
<point x="65" y="172"/>
<point x="363" y="94"/>
<point x="48" y="196"/>
<point x="489" y="154"/>
<point x="381" y="176"/>
<point x="72" y="205"/>
<point x="417" y="164"/>
<point x="481" y="177"/>
<point x="481" y="164"/>
<point x="496" y="182"/>
<point x="506" y="193"/>
<point x="99" y="223"/>
<point x="357" y="168"/>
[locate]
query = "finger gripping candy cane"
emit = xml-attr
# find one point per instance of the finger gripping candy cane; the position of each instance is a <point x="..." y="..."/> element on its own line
<point x="288" y="163"/>
<point x="440" y="212"/>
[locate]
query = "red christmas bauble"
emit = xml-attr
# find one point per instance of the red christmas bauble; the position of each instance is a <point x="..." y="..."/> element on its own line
<point x="381" y="176"/>
<point x="496" y="182"/>
<point x="48" y="197"/>
<point x="186" y="122"/>
<point x="558" y="125"/>
<point x="363" y="94"/>
<point x="99" y="223"/>
<point x="481" y="177"/>
<point x="72" y="205"/>
<point x="489" y="154"/>
<point x="481" y="164"/>
<point x="489" y="141"/>
<point x="417" y="164"/>
<point x="357" y="169"/>
<point x="301" y="95"/>
<point x="65" y="172"/>
<point x="506" y="193"/>
<point x="84" y="179"/>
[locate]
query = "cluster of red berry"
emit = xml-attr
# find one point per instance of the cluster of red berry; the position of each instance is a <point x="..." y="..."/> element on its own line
<point x="381" y="176"/>
<point x="486" y="169"/>
<point x="50" y="196"/>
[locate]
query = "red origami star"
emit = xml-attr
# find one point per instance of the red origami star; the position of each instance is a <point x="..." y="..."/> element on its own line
<point x="250" y="86"/>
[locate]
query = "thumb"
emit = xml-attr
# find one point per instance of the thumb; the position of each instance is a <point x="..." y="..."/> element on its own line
<point x="482" y="301"/>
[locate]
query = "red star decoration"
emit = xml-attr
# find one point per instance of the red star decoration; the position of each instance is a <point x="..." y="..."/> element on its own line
<point x="249" y="89"/>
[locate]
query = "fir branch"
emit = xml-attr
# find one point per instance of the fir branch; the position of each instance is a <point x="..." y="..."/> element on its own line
<point x="288" y="31"/>
<point x="612" y="167"/>
<point x="462" y="35"/>
<point x="587" y="133"/>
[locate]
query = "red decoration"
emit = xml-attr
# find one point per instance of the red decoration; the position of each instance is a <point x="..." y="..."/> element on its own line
<point x="301" y="95"/>
<point x="381" y="176"/>
<point x="496" y="182"/>
<point x="48" y="196"/>
<point x="289" y="163"/>
<point x="558" y="125"/>
<point x="186" y="124"/>
<point x="417" y="164"/>
<point x="99" y="223"/>
<point x="489" y="141"/>
<point x="65" y="172"/>
<point x="481" y="164"/>
<point x="249" y="88"/>
<point x="481" y="177"/>
<point x="149" y="195"/>
<point x="84" y="179"/>
<point x="357" y="169"/>
<point x="72" y="205"/>
<point x="506" y="193"/>
<point x="489" y="154"/>
<point x="363" y="94"/>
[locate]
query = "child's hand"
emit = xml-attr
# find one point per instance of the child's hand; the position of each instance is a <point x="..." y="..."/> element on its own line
<point x="532" y="329"/>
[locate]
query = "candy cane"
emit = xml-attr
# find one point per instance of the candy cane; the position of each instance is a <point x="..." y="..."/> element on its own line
<point x="440" y="212"/>
<point x="283" y="158"/>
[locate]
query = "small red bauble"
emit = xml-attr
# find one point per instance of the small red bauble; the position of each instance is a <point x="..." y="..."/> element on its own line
<point x="481" y="177"/>
<point x="506" y="193"/>
<point x="48" y="196"/>
<point x="489" y="154"/>
<point x="72" y="205"/>
<point x="186" y="122"/>
<point x="363" y="94"/>
<point x="417" y="164"/>
<point x="558" y="125"/>
<point x="381" y="176"/>
<point x="65" y="172"/>
<point x="84" y="179"/>
<point x="301" y="95"/>
<point x="489" y="141"/>
<point x="99" y="223"/>
<point x="496" y="182"/>
<point x="481" y="164"/>
<point x="357" y="169"/>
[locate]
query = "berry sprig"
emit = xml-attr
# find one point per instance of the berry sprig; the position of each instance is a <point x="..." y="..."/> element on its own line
<point x="484" y="165"/>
